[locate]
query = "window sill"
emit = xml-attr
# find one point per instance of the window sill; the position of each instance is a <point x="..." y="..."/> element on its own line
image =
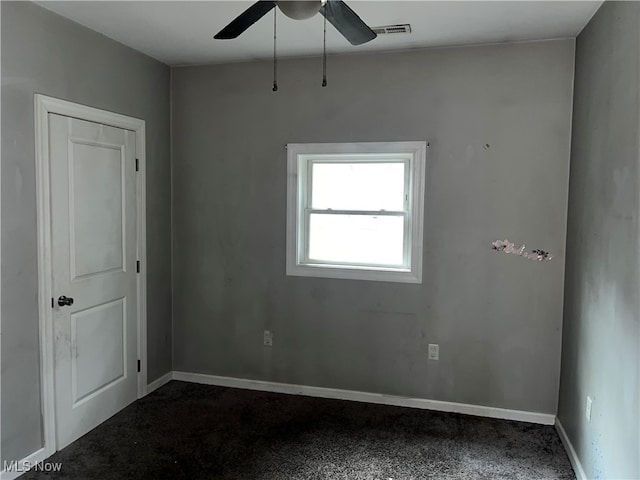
<point x="376" y="274"/>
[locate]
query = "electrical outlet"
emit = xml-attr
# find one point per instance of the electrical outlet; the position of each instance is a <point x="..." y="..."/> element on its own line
<point x="268" y="338"/>
<point x="434" y="351"/>
<point x="587" y="410"/>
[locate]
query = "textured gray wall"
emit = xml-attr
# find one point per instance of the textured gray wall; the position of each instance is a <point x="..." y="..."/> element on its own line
<point x="601" y="334"/>
<point x="496" y="317"/>
<point x="44" y="53"/>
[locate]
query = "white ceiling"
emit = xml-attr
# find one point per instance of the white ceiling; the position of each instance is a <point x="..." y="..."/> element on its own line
<point x="180" y="33"/>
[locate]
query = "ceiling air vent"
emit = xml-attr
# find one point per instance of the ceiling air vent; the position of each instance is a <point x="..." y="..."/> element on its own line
<point x="388" y="29"/>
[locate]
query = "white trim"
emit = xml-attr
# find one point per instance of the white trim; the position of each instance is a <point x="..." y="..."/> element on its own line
<point x="36" y="457"/>
<point x="353" y="273"/>
<point x="299" y="157"/>
<point x="141" y="250"/>
<point x="352" y="395"/>
<point x="571" y="453"/>
<point x="43" y="107"/>
<point x="159" y="382"/>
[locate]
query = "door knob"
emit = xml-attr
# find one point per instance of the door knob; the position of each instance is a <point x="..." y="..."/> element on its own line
<point x="65" y="301"/>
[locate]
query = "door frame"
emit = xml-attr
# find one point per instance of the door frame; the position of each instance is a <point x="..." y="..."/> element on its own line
<point x="45" y="105"/>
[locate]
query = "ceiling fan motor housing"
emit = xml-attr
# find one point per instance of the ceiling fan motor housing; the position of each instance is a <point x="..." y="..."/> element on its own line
<point x="300" y="10"/>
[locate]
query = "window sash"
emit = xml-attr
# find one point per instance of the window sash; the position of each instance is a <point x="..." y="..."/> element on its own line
<point x="309" y="161"/>
<point x="406" y="263"/>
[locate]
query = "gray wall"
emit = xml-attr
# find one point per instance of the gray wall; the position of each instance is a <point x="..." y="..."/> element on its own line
<point x="44" y="53"/>
<point x="496" y="317"/>
<point x="601" y="336"/>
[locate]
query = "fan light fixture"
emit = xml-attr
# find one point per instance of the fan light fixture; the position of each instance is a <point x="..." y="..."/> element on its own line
<point x="300" y="10"/>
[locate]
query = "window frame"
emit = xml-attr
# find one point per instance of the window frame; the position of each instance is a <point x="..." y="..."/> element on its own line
<point x="301" y="157"/>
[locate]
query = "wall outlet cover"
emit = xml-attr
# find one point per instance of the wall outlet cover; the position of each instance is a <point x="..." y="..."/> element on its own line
<point x="434" y="351"/>
<point x="268" y="338"/>
<point x="587" y="411"/>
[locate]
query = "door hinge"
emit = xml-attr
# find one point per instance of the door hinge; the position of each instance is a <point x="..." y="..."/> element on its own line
<point x="137" y="266"/>
<point x="137" y="165"/>
<point x="138" y="366"/>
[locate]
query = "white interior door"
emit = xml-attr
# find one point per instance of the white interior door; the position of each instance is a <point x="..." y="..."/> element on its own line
<point x="93" y="225"/>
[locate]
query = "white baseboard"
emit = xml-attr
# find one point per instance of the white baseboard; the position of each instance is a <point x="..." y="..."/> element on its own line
<point x="477" y="410"/>
<point x="24" y="465"/>
<point x="571" y="453"/>
<point x="158" y="382"/>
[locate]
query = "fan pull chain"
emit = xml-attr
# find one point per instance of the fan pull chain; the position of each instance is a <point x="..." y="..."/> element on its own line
<point x="324" y="55"/>
<point x="275" y="58"/>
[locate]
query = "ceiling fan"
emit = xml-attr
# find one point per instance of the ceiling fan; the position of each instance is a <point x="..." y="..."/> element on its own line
<point x="338" y="13"/>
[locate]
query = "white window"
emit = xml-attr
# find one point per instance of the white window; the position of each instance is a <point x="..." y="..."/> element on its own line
<point x="355" y="210"/>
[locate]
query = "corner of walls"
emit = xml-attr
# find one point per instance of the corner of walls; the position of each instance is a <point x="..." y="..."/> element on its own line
<point x="566" y="224"/>
<point x="571" y="452"/>
<point x="171" y="169"/>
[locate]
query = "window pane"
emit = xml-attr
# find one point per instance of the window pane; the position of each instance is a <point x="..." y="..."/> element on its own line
<point x="358" y="186"/>
<point x="359" y="239"/>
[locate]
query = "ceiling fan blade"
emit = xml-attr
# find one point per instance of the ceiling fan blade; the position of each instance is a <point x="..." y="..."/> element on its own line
<point x="347" y="22"/>
<point x="247" y="18"/>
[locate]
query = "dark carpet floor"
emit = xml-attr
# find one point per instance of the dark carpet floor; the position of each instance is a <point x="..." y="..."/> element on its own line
<point x="189" y="431"/>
